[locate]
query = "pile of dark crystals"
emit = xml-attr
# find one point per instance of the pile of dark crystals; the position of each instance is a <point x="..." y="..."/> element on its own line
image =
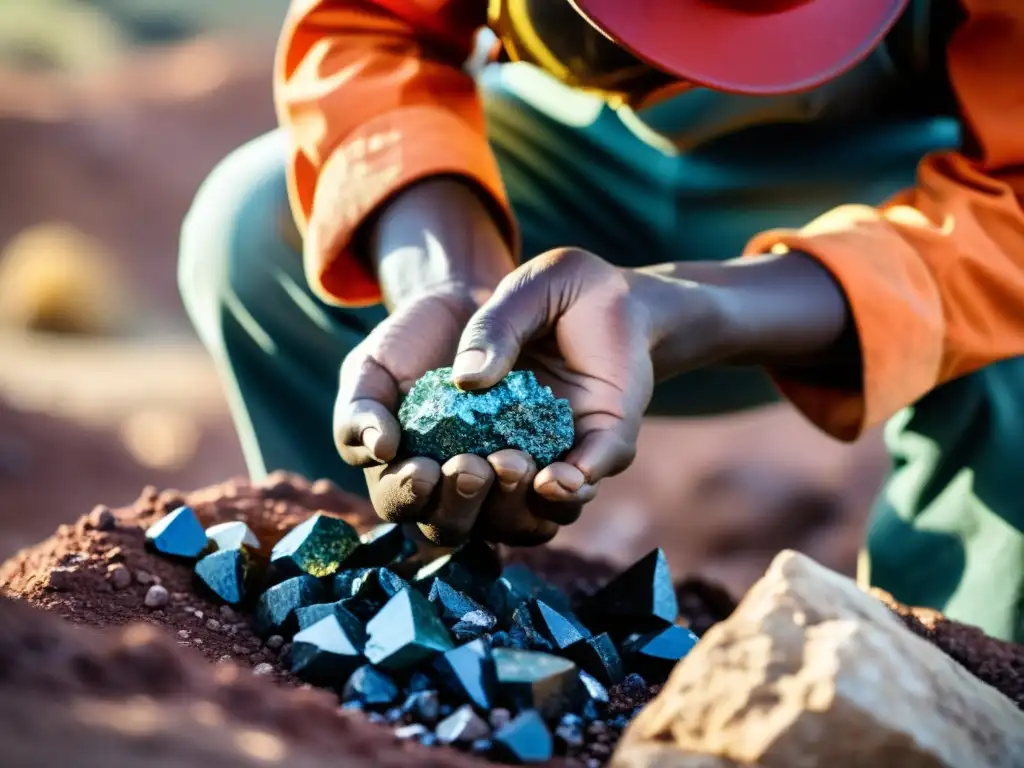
<point x="462" y="651"/>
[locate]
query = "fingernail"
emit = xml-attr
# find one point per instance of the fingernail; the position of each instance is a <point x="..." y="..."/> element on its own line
<point x="467" y="485"/>
<point x="468" y="363"/>
<point x="369" y="438"/>
<point x="572" y="479"/>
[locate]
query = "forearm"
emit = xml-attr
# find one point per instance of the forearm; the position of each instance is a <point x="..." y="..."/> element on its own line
<point x="781" y="311"/>
<point x="437" y="235"/>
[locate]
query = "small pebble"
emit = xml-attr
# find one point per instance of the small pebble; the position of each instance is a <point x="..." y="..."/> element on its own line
<point x="183" y="634"/>
<point x="394" y="714"/>
<point x="226" y="657"/>
<point x="354" y="705"/>
<point x="274" y="642"/>
<point x="241" y="650"/>
<point x="600" y="750"/>
<point x="156" y="597"/>
<point x="482" y="746"/>
<point x="263" y="669"/>
<point x="593" y="762"/>
<point x="570" y="730"/>
<point x="499" y="718"/>
<point x="446" y="709"/>
<point x="120" y="577"/>
<point x="414" y="731"/>
<point x="429" y="739"/>
<point x="419" y="682"/>
<point x="144" y="577"/>
<point x="101" y="518"/>
<point x="199" y="615"/>
<point x="198" y="641"/>
<point x="633" y="686"/>
<point x="188" y="609"/>
<point x="228" y="614"/>
<point x="213" y="625"/>
<point x="377" y="718"/>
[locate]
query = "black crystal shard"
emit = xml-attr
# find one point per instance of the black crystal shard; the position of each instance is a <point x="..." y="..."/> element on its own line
<point x="316" y="547"/>
<point x="423" y="706"/>
<point x="232" y="535"/>
<point x="228" y="574"/>
<point x="178" y="534"/>
<point x="640" y="599"/>
<point x="377" y="585"/>
<point x="450" y="602"/>
<point x="473" y="625"/>
<point x="596" y="693"/>
<point x="467" y="673"/>
<point x="524" y="634"/>
<point x="378" y="547"/>
<point x="552" y="626"/>
<point x="364" y="610"/>
<point x="370" y="687"/>
<point x="344" y="581"/>
<point x="599" y="657"/>
<point x="532" y="680"/>
<point x="311" y="614"/>
<point x="419" y="681"/>
<point x="471" y="569"/>
<point x="325" y="654"/>
<point x="406" y="632"/>
<point x="655" y="654"/>
<point x="463" y="726"/>
<point x="526" y="739"/>
<point x="526" y="584"/>
<point x="275" y="612"/>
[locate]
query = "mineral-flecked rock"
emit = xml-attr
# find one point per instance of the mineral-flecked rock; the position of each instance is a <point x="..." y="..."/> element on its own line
<point x="599" y="657"/>
<point x="275" y="612"/>
<point x="526" y="739"/>
<point x="309" y="615"/>
<point x="532" y="680"/>
<point x="325" y="654"/>
<point x="441" y="421"/>
<point x="655" y="654"/>
<point x="463" y="726"/>
<point x="178" y="534"/>
<point x="370" y="687"/>
<point x="232" y="535"/>
<point x="467" y="673"/>
<point x="406" y="632"/>
<point x="227" y="573"/>
<point x="640" y="599"/>
<point x="811" y="671"/>
<point x="316" y="547"/>
<point x="346" y="580"/>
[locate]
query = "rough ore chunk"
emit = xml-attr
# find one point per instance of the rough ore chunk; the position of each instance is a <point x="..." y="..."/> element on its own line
<point x="370" y="687"/>
<point x="325" y="654"/>
<point x="526" y="739"/>
<point x="552" y="625"/>
<point x="232" y="535"/>
<point x="275" y="612"/>
<point x="640" y="599"/>
<point x="178" y="534"/>
<point x="467" y="673"/>
<point x="227" y="574"/>
<point x="378" y="547"/>
<point x="531" y="680"/>
<point x="441" y="421"/>
<point x="655" y="654"/>
<point x="316" y="547"/>
<point x="311" y="614"/>
<point x="406" y="632"/>
<point x="599" y="657"/>
<point x="463" y="726"/>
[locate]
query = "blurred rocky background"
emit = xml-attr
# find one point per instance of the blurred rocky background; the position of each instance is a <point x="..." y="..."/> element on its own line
<point x="112" y="112"/>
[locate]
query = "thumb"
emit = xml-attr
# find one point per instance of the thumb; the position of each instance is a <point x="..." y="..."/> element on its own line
<point x="496" y="333"/>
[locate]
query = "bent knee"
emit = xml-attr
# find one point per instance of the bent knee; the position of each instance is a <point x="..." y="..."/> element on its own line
<point x="234" y="234"/>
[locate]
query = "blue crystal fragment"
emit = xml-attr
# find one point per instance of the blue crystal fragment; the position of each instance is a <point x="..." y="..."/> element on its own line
<point x="655" y="654"/>
<point x="316" y="547"/>
<point x="598" y="656"/>
<point x="275" y="612"/>
<point x="463" y="726"/>
<point x="309" y="615"/>
<point x="552" y="626"/>
<point x="596" y="692"/>
<point x="406" y="632"/>
<point x="371" y="687"/>
<point x="227" y="574"/>
<point x="532" y="680"/>
<point x="640" y="599"/>
<point x="423" y="706"/>
<point x="524" y="634"/>
<point x="526" y="739"/>
<point x="467" y="673"/>
<point x="441" y="421"/>
<point x="232" y="535"/>
<point x="178" y="534"/>
<point x="325" y="654"/>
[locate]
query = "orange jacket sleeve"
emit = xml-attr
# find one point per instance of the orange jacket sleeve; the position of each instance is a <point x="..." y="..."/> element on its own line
<point x="935" y="277"/>
<point x="373" y="96"/>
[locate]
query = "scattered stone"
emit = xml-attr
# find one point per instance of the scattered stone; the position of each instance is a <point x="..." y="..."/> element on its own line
<point x="599" y="657"/>
<point x="552" y="626"/>
<point x="275" y="611"/>
<point x="463" y="726"/>
<point x="415" y="731"/>
<point x="655" y="654"/>
<point x="119" y="576"/>
<point x="451" y="603"/>
<point x="311" y="614"/>
<point x="570" y="730"/>
<point x="156" y="597"/>
<point x="406" y="632"/>
<point x="228" y="574"/>
<point x="499" y="718"/>
<point x="178" y="534"/>
<point x="345" y="580"/>
<point x="377" y="585"/>
<point x="597" y="694"/>
<point x="467" y="672"/>
<point x="376" y="718"/>
<point x="473" y="625"/>
<point x="423" y="706"/>
<point x="262" y="670"/>
<point x="102" y="519"/>
<point x="274" y="642"/>
<point x="324" y="654"/>
<point x="481" y="746"/>
<point x="532" y="680"/>
<point x="370" y="687"/>
<point x="524" y="636"/>
<point x="526" y="739"/>
<point x="145" y="578"/>
<point x="418" y="681"/>
<point x="441" y="421"/>
<point x="810" y="670"/>
<point x="316" y="547"/>
<point x="228" y="614"/>
<point x="378" y="547"/>
<point x="232" y="535"/>
<point x="213" y="625"/>
<point x="640" y="599"/>
<point x="471" y="568"/>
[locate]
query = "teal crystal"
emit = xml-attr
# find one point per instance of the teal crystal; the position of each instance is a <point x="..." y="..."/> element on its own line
<point x="441" y="421"/>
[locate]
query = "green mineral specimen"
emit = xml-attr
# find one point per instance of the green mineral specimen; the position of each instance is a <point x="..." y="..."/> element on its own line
<point x="316" y="547"/>
<point x="441" y="421"/>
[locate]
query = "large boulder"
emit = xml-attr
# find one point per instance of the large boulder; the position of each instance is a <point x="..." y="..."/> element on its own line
<point x="810" y="671"/>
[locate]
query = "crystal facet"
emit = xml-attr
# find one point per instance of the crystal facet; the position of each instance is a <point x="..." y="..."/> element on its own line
<point x="325" y="654"/>
<point x="275" y="612"/>
<point x="312" y="614"/>
<point x="472" y="625"/>
<point x="531" y="680"/>
<point x="178" y="534"/>
<point x="370" y="687"/>
<point x="227" y="573"/>
<point x="526" y="739"/>
<point x="345" y="581"/>
<point x="467" y="672"/>
<point x="440" y="421"/>
<point x="406" y="632"/>
<point x="640" y="599"/>
<point x="599" y="657"/>
<point x="552" y="626"/>
<point x="655" y="654"/>
<point x="524" y="634"/>
<point x="378" y="547"/>
<point x="233" y="535"/>
<point x="316" y="547"/>
<point x="463" y="726"/>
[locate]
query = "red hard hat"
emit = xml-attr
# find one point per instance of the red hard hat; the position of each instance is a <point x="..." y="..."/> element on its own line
<point x="747" y="46"/>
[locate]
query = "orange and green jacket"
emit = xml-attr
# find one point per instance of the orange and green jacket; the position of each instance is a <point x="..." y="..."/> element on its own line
<point x="373" y="96"/>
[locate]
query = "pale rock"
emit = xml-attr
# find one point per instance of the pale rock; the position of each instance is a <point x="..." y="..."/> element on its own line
<point x="811" y="672"/>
